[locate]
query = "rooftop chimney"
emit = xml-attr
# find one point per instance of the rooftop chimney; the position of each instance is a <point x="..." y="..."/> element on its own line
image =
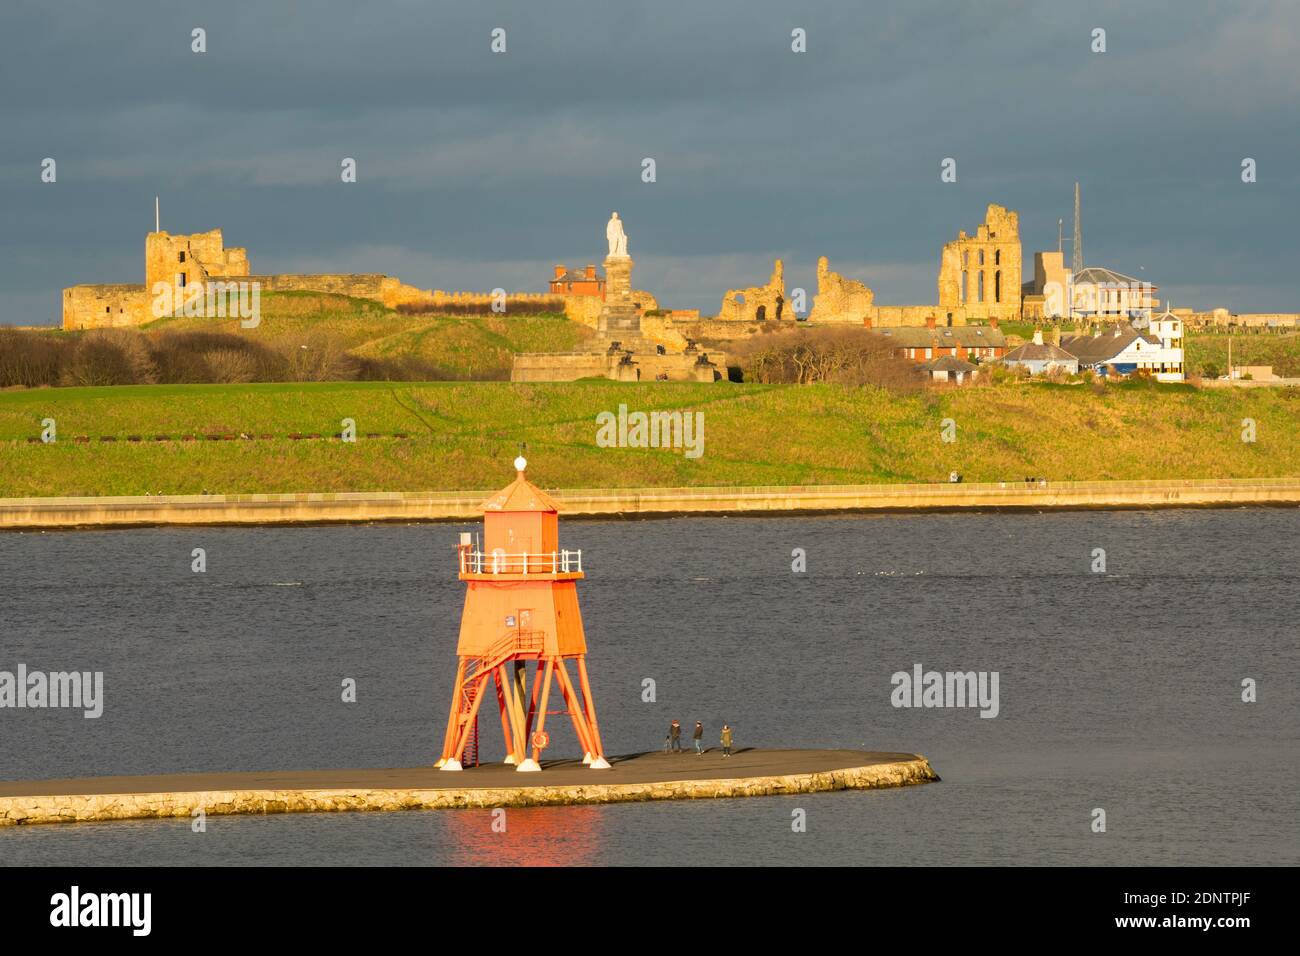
<point x="591" y="271"/>
<point x="929" y="321"/>
<point x="866" y="321"/>
<point x="559" y="271"/>
<point x="993" y="321"/>
<point x="1038" y="336"/>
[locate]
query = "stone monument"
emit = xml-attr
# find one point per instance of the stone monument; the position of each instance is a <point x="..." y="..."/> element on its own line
<point x="619" y="317"/>
<point x="623" y="354"/>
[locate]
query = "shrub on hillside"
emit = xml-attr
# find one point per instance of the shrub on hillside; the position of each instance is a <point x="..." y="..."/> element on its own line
<point x="185" y="358"/>
<point x="32" y="359"/>
<point x="845" y="356"/>
<point x="110" y="357"/>
<point x="318" y="357"/>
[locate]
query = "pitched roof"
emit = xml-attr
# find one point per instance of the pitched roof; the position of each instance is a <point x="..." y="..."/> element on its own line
<point x="1094" y="275"/>
<point x="920" y="336"/>
<point x="1099" y="349"/>
<point x="1036" y="352"/>
<point x="578" y="277"/>
<point x="521" y="495"/>
<point x="949" y="363"/>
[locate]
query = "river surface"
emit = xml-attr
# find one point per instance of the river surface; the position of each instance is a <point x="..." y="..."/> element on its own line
<point x="1118" y="691"/>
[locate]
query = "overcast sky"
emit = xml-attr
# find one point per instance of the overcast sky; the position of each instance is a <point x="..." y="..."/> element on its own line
<point x="478" y="170"/>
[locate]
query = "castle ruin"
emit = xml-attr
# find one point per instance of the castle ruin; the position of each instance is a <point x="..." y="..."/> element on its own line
<point x="180" y="262"/>
<point x="758" y="303"/>
<point x="981" y="274"/>
<point x="840" y="299"/>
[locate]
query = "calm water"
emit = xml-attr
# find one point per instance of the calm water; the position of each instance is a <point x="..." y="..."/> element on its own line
<point x="1119" y="691"/>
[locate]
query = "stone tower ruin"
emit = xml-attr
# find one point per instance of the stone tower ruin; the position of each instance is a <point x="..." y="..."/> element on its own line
<point x="982" y="272"/>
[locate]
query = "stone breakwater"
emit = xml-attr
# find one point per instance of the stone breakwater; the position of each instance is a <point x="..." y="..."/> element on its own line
<point x="341" y="507"/>
<point x="75" y="808"/>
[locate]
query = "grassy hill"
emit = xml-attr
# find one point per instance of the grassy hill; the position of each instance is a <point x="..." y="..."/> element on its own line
<point x="1207" y="354"/>
<point x="464" y="347"/>
<point x="302" y="336"/>
<point x="461" y="435"/>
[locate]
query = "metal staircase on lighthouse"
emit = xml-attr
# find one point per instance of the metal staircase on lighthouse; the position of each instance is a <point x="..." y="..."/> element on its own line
<point x="521" y="608"/>
<point x="476" y="672"/>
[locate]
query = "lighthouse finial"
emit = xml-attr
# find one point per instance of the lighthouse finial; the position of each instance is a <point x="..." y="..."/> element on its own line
<point x="520" y="464"/>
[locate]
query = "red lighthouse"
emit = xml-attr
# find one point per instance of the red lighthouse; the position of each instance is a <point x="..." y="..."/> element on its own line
<point x="521" y="605"/>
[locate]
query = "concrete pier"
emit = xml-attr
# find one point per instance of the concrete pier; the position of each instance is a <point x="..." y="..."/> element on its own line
<point x="636" y="777"/>
<point x="110" y="512"/>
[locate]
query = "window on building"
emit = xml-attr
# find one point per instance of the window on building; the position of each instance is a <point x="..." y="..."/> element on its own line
<point x="180" y="257"/>
<point x="979" y="297"/>
<point x="997" y="286"/>
<point x="997" y="257"/>
<point x="180" y="279"/>
<point x="981" y="257"/>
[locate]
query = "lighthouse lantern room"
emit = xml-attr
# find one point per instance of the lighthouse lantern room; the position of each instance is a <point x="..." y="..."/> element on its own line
<point x="521" y="607"/>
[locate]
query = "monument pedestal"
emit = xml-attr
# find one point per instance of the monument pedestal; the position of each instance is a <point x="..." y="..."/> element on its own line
<point x="619" y="316"/>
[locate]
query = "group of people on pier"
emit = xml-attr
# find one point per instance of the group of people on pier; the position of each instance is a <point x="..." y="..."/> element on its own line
<point x="673" y="742"/>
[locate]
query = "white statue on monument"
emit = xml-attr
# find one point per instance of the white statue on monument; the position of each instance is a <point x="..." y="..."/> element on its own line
<point x="617" y="237"/>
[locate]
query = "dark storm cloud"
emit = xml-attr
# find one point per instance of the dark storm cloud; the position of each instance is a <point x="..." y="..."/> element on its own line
<point x="479" y="170"/>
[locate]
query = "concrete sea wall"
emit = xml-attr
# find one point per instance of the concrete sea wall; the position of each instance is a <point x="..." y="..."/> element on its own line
<point x="107" y="512"/>
<point x="75" y="808"/>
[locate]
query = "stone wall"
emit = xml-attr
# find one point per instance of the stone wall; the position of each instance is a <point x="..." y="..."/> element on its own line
<point x="105" y="306"/>
<point x="983" y="272"/>
<point x="643" y="366"/>
<point x="360" y="507"/>
<point x="388" y="291"/>
<point x="839" y="299"/>
<point x="1255" y="320"/>
<point x="758" y="303"/>
<point x="887" y="316"/>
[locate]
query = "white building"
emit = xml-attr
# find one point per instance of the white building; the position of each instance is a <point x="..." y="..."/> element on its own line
<point x="1101" y="294"/>
<point x="1123" y="350"/>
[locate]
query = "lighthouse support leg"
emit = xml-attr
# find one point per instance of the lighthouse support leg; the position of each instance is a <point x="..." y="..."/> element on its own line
<point x="571" y="701"/>
<point x="457" y="692"/>
<point x="519" y="696"/>
<point x="498" y="679"/>
<point x="518" y="749"/>
<point x="591" y="706"/>
<point x="532" y="706"/>
<point x="541" y="713"/>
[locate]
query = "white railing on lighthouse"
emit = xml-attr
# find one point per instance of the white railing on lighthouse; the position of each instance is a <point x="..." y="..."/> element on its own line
<point x="523" y="562"/>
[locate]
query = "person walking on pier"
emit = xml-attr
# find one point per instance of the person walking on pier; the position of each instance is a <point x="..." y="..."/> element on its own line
<point x="726" y="740"/>
<point x="699" y="738"/>
<point x="675" y="737"/>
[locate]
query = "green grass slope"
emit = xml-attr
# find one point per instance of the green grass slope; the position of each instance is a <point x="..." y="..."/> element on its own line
<point x="462" y="435"/>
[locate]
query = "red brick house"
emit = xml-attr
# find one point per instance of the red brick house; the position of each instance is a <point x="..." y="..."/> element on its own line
<point x="585" y="282"/>
<point x="974" y="343"/>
